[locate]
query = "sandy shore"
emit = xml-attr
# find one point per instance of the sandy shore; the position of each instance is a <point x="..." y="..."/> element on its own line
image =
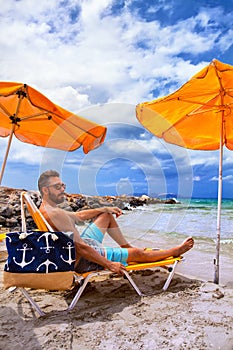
<point x="190" y="315"/>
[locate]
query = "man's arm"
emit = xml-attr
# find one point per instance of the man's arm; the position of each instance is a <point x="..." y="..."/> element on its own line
<point x="63" y="221"/>
<point x="87" y="214"/>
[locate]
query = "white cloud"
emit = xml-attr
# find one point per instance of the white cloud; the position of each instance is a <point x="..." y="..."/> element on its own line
<point x="196" y="178"/>
<point x="228" y="178"/>
<point x="98" y="55"/>
<point x="210" y="158"/>
<point x="67" y="97"/>
<point x="21" y="152"/>
<point x="100" y="65"/>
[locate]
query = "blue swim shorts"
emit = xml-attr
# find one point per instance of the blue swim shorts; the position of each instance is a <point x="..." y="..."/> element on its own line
<point x="93" y="236"/>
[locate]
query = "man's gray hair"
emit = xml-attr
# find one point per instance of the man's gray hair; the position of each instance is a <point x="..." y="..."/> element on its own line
<point x="44" y="178"/>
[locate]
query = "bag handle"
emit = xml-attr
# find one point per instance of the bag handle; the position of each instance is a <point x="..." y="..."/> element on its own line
<point x="23" y="217"/>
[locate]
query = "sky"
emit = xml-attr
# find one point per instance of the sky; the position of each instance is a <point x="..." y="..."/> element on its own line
<point x="99" y="59"/>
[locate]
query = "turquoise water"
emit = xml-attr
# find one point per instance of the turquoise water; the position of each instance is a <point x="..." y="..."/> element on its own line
<point x="165" y="225"/>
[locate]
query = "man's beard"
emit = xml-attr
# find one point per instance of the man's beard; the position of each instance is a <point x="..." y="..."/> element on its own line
<point x="58" y="199"/>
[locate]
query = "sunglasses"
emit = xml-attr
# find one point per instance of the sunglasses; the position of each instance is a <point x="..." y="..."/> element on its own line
<point x="58" y="186"/>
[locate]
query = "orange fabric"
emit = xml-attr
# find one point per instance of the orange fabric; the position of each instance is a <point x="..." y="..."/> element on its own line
<point x="193" y="116"/>
<point x="39" y="121"/>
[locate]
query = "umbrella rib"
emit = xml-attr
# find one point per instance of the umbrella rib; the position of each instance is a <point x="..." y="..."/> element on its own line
<point x="60" y="125"/>
<point x="57" y="115"/>
<point x="53" y="113"/>
<point x="35" y="115"/>
<point x="196" y="102"/>
<point x="197" y="111"/>
<point x="192" y="113"/>
<point x="70" y="122"/>
<point x="43" y="112"/>
<point x="4" y="110"/>
<point x="69" y="133"/>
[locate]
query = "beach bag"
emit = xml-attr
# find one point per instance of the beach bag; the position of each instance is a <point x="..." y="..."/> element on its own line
<point x="39" y="260"/>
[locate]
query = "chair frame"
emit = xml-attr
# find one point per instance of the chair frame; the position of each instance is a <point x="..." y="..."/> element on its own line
<point x="169" y="264"/>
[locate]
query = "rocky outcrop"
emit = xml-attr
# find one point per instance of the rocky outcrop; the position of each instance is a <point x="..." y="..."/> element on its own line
<point x="10" y="209"/>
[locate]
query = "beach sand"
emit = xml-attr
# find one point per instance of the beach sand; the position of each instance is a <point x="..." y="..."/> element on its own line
<point x="190" y="315"/>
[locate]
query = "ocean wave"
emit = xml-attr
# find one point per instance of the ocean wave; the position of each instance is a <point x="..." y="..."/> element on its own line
<point x="227" y="241"/>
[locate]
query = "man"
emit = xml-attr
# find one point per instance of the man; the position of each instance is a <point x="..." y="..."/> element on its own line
<point x="88" y="246"/>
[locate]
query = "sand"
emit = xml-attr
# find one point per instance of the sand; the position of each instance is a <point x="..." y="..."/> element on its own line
<point x="192" y="314"/>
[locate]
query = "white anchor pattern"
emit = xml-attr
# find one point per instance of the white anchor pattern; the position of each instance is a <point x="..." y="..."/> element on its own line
<point x="69" y="247"/>
<point x="47" y="263"/>
<point x="47" y="247"/>
<point x="39" y="252"/>
<point x="23" y="262"/>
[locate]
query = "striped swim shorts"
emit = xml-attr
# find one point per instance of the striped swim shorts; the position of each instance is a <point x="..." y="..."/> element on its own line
<point x="93" y="236"/>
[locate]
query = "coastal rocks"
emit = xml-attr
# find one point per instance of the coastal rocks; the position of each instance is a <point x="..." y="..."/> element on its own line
<point x="211" y="290"/>
<point x="10" y="209"/>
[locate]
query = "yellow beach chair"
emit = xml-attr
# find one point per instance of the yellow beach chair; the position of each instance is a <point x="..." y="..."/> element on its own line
<point x="3" y="253"/>
<point x="2" y="236"/>
<point x="42" y="224"/>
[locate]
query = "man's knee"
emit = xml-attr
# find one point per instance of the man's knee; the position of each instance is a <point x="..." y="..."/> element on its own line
<point x="136" y="254"/>
<point x="105" y="216"/>
<point x="103" y="219"/>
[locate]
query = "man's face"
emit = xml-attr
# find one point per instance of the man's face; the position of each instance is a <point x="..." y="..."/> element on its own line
<point x="55" y="190"/>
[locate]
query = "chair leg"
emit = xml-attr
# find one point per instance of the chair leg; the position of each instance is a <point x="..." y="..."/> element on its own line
<point x="170" y="276"/>
<point x="32" y="302"/>
<point x="86" y="280"/>
<point x="133" y="284"/>
<point x="81" y="289"/>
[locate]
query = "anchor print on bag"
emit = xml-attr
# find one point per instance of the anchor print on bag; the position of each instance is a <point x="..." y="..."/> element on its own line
<point x="47" y="263"/>
<point x="23" y="263"/>
<point x="39" y="252"/>
<point x="69" y="247"/>
<point x="46" y="235"/>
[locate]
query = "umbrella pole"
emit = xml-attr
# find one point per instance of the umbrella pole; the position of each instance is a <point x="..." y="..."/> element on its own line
<point x="7" y="152"/>
<point x="216" y="260"/>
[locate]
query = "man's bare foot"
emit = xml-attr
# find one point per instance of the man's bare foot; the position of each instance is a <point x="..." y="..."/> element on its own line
<point x="185" y="246"/>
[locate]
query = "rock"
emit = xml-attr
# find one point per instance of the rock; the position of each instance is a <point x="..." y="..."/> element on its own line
<point x="7" y="211"/>
<point x="170" y="201"/>
<point x="2" y="220"/>
<point x="218" y="294"/>
<point x="11" y="222"/>
<point x="145" y="197"/>
<point x="10" y="209"/>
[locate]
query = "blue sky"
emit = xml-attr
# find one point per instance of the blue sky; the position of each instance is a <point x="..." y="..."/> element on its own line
<point x="99" y="59"/>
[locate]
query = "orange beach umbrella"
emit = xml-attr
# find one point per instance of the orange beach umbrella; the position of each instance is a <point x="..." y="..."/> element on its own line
<point x="197" y="116"/>
<point x="34" y="119"/>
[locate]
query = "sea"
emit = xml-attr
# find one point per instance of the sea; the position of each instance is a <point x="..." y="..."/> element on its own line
<point x="166" y="225"/>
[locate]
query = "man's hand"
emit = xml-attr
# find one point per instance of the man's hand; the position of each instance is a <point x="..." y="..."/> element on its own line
<point x="116" y="267"/>
<point x="112" y="210"/>
<point x="127" y="245"/>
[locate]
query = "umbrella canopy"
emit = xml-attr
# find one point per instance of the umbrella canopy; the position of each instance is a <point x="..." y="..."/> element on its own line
<point x="197" y="116"/>
<point x="34" y="119"/>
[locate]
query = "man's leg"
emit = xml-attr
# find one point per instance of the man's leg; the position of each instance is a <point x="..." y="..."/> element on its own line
<point x="107" y="223"/>
<point x="142" y="255"/>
